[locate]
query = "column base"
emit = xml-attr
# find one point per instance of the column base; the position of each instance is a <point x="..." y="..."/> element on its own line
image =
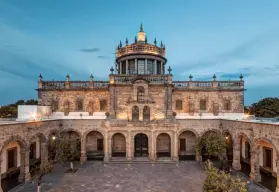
<point x="198" y="158"/>
<point x="106" y="159"/>
<point x="27" y="177"/>
<point x="236" y="165"/>
<point x="83" y="158"/>
<point x="256" y="177"/>
<point x="129" y="158"/>
<point x="175" y="159"/>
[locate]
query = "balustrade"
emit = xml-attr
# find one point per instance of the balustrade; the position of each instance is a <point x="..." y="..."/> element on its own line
<point x="74" y="84"/>
<point x="148" y="48"/>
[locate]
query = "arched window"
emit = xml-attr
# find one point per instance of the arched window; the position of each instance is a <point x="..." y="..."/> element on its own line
<point x="79" y="104"/>
<point x="178" y="104"/>
<point x="203" y="104"/>
<point x="140" y="94"/>
<point x="146" y="113"/>
<point x="227" y="105"/>
<point x="103" y="105"/>
<point x="66" y="107"/>
<point x="54" y="106"/>
<point x="135" y="113"/>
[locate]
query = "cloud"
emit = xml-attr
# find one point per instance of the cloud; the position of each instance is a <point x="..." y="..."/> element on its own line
<point x="103" y="57"/>
<point x="91" y="50"/>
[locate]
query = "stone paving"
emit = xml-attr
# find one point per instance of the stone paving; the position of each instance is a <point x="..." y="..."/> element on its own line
<point x="140" y="177"/>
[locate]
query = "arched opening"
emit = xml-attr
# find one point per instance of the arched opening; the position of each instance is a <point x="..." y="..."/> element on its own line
<point x="118" y="145"/>
<point x="141" y="145"/>
<point x="187" y="146"/>
<point x="265" y="163"/>
<point x="245" y="154"/>
<point x="94" y="146"/>
<point x="146" y="113"/>
<point x="13" y="155"/>
<point x="135" y="113"/>
<point x="70" y="144"/>
<point x="53" y="146"/>
<point x="229" y="148"/>
<point x="163" y="145"/>
<point x="140" y="94"/>
<point x="204" y="154"/>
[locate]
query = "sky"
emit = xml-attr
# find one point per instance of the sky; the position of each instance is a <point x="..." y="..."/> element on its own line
<point x="79" y="37"/>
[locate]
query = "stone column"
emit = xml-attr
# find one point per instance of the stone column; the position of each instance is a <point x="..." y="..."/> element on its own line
<point x="277" y="164"/>
<point x="24" y="166"/>
<point x="120" y="67"/>
<point x="83" y="156"/>
<point x="44" y="151"/>
<point x="145" y="66"/>
<point x="109" y="146"/>
<point x="161" y="67"/>
<point x="255" y="174"/>
<point x="175" y="147"/>
<point x="129" y="154"/>
<point x="106" y="147"/>
<point x="152" y="154"/>
<point x="136" y="66"/>
<point x="127" y="68"/>
<point x="155" y="68"/>
<point x="1" y="190"/>
<point x="236" y="155"/>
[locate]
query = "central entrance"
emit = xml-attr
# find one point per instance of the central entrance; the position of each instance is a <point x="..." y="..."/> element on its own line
<point x="141" y="145"/>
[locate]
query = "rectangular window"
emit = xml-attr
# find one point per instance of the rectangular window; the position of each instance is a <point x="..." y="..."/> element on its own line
<point x="132" y="67"/>
<point x="178" y="105"/>
<point x="123" y="67"/>
<point x="158" y="68"/>
<point x="227" y="105"/>
<point x="141" y="63"/>
<point x="100" y="144"/>
<point x="202" y="104"/>
<point x="268" y="157"/>
<point x="149" y="67"/>
<point x="182" y="145"/>
<point x="79" y="105"/>
<point x="12" y="158"/>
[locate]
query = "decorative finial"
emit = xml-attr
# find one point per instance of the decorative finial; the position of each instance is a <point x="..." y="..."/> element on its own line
<point x="68" y="77"/>
<point x="164" y="47"/>
<point x="120" y="45"/>
<point x="214" y="77"/>
<point x="190" y="77"/>
<point x="111" y="70"/>
<point x="117" y="46"/>
<point x="126" y="41"/>
<point x="169" y="70"/>
<point x="146" y="39"/>
<point x="91" y="77"/>
<point x="155" y="41"/>
<point x="136" y="39"/>
<point x="141" y="28"/>
<point x="40" y="76"/>
<point x="241" y="77"/>
<point x="161" y="44"/>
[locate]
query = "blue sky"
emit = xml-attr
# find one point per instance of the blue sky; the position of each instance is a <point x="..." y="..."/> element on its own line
<point x="79" y="37"/>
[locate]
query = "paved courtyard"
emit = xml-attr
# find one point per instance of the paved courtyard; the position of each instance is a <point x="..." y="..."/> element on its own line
<point x="99" y="177"/>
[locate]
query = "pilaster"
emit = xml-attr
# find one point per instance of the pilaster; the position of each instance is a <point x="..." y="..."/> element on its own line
<point x="236" y="155"/>
<point x="255" y="174"/>
<point x="106" y="147"/>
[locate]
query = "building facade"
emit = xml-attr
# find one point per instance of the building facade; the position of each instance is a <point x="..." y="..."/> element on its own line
<point x="141" y="113"/>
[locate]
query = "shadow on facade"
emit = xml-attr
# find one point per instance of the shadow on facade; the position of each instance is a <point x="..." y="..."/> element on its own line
<point x="10" y="181"/>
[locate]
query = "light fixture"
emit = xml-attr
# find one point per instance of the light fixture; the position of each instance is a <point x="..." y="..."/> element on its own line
<point x="53" y="137"/>
<point x="227" y="137"/>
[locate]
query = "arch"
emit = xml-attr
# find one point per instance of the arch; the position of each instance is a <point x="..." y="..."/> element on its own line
<point x="254" y="144"/>
<point x="94" y="145"/>
<point x="135" y="113"/>
<point x="146" y="113"/>
<point x="72" y="130"/>
<point x="242" y="134"/>
<point x="41" y="136"/>
<point x="163" y="145"/>
<point x="187" y="141"/>
<point x="187" y="129"/>
<point x="14" y="138"/>
<point x="141" y="145"/>
<point x="210" y="130"/>
<point x="118" y="145"/>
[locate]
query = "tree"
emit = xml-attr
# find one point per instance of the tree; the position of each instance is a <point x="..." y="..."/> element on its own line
<point x="212" y="144"/>
<point x="219" y="181"/>
<point x="267" y="107"/>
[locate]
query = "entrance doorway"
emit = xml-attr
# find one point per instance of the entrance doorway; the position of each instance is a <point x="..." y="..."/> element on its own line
<point x="141" y="145"/>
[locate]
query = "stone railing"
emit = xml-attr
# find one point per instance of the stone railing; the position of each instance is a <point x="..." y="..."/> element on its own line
<point x="73" y="84"/>
<point x="140" y="48"/>
<point x="152" y="79"/>
<point x="208" y="84"/>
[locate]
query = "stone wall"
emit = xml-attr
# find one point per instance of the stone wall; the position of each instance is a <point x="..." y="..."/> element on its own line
<point x="211" y="97"/>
